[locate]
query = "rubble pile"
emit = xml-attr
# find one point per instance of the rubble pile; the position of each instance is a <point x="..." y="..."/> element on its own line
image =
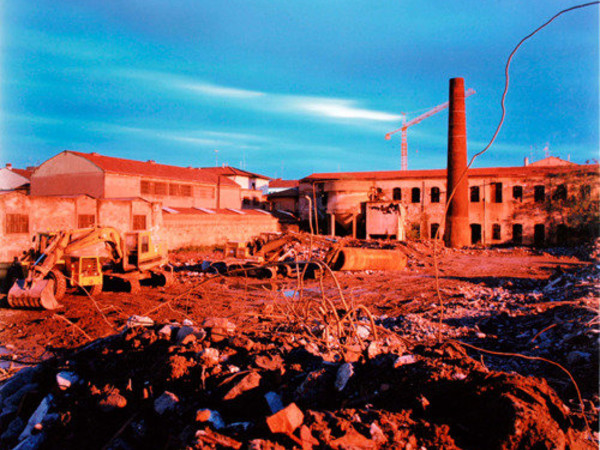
<point x="176" y="385"/>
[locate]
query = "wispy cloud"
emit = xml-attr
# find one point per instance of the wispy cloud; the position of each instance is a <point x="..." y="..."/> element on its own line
<point x="337" y="109"/>
<point x="221" y="91"/>
<point x="340" y="109"/>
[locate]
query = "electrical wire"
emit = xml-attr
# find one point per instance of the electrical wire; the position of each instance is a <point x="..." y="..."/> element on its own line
<point x="500" y="123"/>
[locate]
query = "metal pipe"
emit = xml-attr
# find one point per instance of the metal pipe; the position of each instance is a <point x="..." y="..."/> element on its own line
<point x="357" y="258"/>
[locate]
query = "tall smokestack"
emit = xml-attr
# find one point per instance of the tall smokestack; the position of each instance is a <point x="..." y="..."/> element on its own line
<point x="457" y="233"/>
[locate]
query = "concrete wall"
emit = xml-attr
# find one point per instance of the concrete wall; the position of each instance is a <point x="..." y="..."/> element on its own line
<point x="57" y="213"/>
<point x="181" y="230"/>
<point x="230" y="197"/>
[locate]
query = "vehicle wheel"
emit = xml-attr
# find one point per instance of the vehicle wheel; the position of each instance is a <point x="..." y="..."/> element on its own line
<point x="161" y="278"/>
<point x="134" y="286"/>
<point x="60" y="283"/>
<point x="94" y="290"/>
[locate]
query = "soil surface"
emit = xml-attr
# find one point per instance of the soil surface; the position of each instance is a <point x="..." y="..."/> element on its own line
<point x="490" y="342"/>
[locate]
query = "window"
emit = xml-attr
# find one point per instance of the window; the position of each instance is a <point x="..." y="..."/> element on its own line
<point x="174" y="189"/>
<point x="139" y="222"/>
<point x="17" y="223"/>
<point x="496" y="192"/>
<point x="539" y="194"/>
<point x="539" y="234"/>
<point x="434" y="229"/>
<point x="397" y="194"/>
<point x="496" y="232"/>
<point x="435" y="195"/>
<point x="517" y="234"/>
<point x="160" y="188"/>
<point x="415" y="195"/>
<point x="185" y="190"/>
<point x="518" y="193"/>
<point x="86" y="220"/>
<point x="560" y="193"/>
<point x="145" y="243"/>
<point x="415" y="231"/>
<point x="585" y="191"/>
<point x="562" y="234"/>
<point x="475" y="233"/>
<point x="206" y="192"/>
<point x="474" y="194"/>
<point x="145" y="187"/>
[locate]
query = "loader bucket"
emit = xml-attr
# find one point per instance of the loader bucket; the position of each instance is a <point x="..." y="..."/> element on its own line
<point x="40" y="294"/>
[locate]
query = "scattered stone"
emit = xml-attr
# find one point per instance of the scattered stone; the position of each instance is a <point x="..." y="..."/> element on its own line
<point x="112" y="400"/>
<point x="352" y="440"/>
<point x="213" y="438"/>
<point x="139" y="321"/>
<point x="344" y="374"/>
<point x="274" y="401"/>
<point x="167" y="331"/>
<point x="247" y="383"/>
<point x="405" y="360"/>
<point x="37" y="417"/>
<point x="286" y="420"/>
<point x="209" y="356"/>
<point x="209" y="415"/>
<point x="166" y="402"/>
<point x="66" y="379"/>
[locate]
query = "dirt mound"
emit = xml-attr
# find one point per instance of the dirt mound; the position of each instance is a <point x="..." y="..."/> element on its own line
<point x="178" y="386"/>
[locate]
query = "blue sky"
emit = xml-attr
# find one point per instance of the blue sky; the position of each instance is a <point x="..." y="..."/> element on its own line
<point x="288" y="88"/>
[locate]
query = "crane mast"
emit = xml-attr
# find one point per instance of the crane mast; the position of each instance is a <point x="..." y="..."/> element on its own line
<point x="404" y="129"/>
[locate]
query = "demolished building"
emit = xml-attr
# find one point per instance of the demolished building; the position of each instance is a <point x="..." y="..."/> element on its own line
<point x="524" y="205"/>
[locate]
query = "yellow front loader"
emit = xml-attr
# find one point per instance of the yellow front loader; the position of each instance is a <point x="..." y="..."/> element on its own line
<point x="84" y="258"/>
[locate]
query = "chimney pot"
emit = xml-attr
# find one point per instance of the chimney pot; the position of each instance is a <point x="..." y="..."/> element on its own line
<point x="9" y="166"/>
<point x="526" y="161"/>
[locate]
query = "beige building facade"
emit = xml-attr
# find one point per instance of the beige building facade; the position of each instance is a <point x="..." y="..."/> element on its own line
<point x="526" y="205"/>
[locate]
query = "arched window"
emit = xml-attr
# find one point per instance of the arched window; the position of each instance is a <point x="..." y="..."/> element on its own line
<point x="397" y="194"/>
<point x="435" y="195"/>
<point x="496" y="232"/>
<point x="416" y="195"/>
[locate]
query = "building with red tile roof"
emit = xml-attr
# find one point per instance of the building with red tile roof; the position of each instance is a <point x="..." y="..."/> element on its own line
<point x="519" y="205"/>
<point x="14" y="179"/>
<point x="254" y="186"/>
<point x="104" y="176"/>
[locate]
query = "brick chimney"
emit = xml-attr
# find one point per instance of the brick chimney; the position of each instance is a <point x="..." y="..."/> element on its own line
<point x="9" y="166"/>
<point x="457" y="230"/>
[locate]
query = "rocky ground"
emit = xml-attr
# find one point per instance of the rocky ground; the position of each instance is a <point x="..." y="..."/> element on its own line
<point x="499" y="350"/>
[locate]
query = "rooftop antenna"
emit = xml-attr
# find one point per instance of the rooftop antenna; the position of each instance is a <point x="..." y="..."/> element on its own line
<point x="216" y="158"/>
<point x="547" y="150"/>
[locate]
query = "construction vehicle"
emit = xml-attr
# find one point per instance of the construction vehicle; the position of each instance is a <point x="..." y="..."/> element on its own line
<point x="83" y="258"/>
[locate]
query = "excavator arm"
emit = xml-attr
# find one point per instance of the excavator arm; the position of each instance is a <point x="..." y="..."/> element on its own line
<point x="35" y="289"/>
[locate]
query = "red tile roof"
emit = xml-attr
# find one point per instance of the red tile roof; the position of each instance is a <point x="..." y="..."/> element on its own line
<point x="279" y="183"/>
<point x="293" y="192"/>
<point x="26" y="173"/>
<point x="152" y="169"/>
<point x="233" y="171"/>
<point x="441" y="173"/>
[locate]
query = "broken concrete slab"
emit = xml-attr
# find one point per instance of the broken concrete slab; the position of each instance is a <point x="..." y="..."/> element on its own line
<point x="286" y="420"/>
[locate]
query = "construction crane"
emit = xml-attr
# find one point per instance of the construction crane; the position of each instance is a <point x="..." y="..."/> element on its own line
<point x="416" y="120"/>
